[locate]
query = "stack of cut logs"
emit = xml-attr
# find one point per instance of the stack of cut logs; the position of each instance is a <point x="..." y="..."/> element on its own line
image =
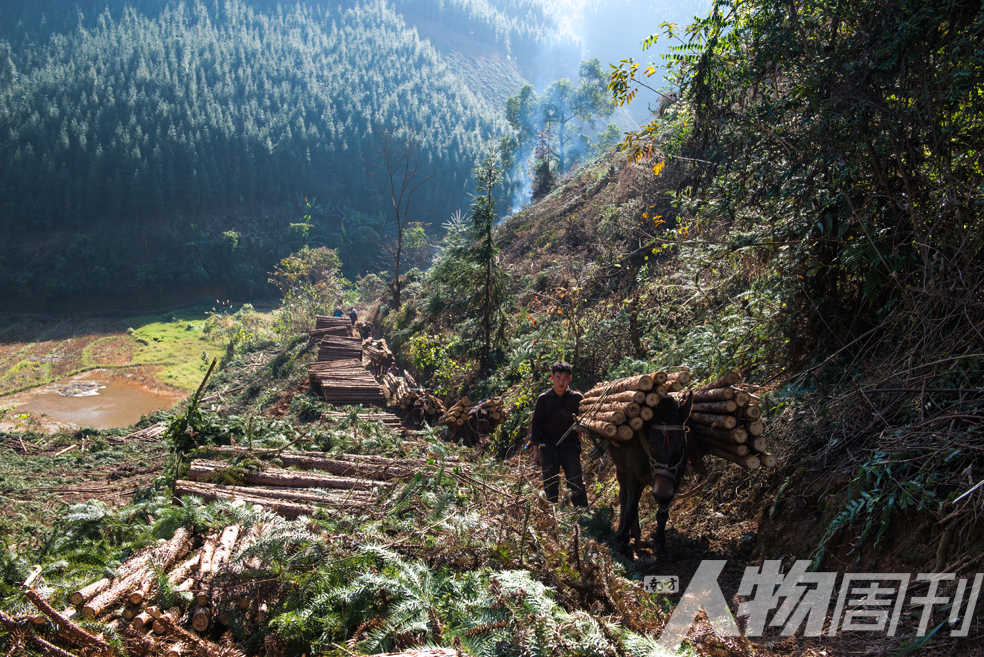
<point x="125" y="602"/>
<point x="339" y="376"/>
<point x="485" y="416"/>
<point x="726" y="420"/>
<point x="456" y="416"/>
<point x="617" y="409"/>
<point x="379" y="354"/>
<point x="469" y="423"/>
<point x="400" y="387"/>
<point x="344" y="480"/>
<point x="327" y="325"/>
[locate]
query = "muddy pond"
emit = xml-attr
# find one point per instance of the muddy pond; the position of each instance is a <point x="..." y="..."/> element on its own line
<point x="100" y="399"/>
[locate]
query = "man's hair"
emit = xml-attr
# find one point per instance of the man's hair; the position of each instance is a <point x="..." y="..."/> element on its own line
<point x="561" y="366"/>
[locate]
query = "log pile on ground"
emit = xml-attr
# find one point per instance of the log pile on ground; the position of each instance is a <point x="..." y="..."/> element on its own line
<point x="399" y="386"/>
<point x="382" y="417"/>
<point x="469" y="423"/>
<point x="379" y="355"/>
<point x="726" y="420"/>
<point x="128" y="602"/>
<point x="339" y="377"/>
<point x="617" y="409"/>
<point x="327" y="325"/>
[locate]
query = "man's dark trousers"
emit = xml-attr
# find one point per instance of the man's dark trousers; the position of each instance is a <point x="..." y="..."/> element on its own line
<point x="567" y="455"/>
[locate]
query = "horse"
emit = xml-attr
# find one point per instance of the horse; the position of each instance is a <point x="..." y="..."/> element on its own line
<point x="656" y="456"/>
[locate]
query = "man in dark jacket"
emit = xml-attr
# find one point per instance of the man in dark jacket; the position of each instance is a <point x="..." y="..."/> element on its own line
<point x="554" y="445"/>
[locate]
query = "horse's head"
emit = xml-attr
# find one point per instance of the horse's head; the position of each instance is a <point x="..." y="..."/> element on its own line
<point x="666" y="440"/>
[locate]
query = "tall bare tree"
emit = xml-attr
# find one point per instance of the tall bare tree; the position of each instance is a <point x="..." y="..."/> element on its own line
<point x="401" y="159"/>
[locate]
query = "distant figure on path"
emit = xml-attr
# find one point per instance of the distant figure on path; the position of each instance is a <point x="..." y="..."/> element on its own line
<point x="554" y="445"/>
<point x="353" y="316"/>
<point x="338" y="313"/>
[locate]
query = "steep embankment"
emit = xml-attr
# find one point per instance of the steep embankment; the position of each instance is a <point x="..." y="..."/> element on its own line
<point x="874" y="452"/>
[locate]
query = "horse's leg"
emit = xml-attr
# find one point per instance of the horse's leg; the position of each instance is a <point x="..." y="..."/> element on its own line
<point x="662" y="515"/>
<point x="629" y="518"/>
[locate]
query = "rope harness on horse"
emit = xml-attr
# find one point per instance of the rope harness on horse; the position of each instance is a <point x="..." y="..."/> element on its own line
<point x="656" y="466"/>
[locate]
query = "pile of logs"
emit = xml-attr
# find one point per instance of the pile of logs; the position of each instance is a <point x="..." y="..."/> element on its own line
<point x="326" y="325"/>
<point x="617" y="409"/>
<point x="727" y="421"/>
<point x="125" y="602"/>
<point x="486" y="415"/>
<point x="469" y="423"/>
<point x="325" y="479"/>
<point x="379" y="354"/>
<point x="456" y="416"/>
<point x="333" y="347"/>
<point x="382" y="417"/>
<point x="403" y="392"/>
<point x="345" y="382"/>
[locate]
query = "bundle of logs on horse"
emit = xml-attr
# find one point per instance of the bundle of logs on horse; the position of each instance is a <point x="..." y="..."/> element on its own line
<point x="726" y="420"/>
<point x="617" y="409"/>
<point x="205" y="592"/>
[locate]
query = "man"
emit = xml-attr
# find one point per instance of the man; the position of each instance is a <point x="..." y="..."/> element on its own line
<point x="555" y="447"/>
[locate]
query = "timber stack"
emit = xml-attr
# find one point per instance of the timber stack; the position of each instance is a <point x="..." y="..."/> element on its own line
<point x="202" y="601"/>
<point x="486" y="415"/>
<point x="327" y="325"/>
<point x="469" y="423"/>
<point x="617" y="409"/>
<point x="339" y="376"/>
<point x="726" y="421"/>
<point x="399" y="386"/>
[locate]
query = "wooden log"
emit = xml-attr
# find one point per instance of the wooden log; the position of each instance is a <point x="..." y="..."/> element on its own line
<point x="726" y="380"/>
<point x="624" y="432"/>
<point x="731" y="448"/>
<point x="742" y="398"/>
<point x="379" y="469"/>
<point x="625" y="397"/>
<point x="714" y="394"/>
<point x="201" y="647"/>
<point x="714" y="421"/>
<point x="606" y="429"/>
<point x="181" y="572"/>
<point x="644" y="382"/>
<point x="646" y="413"/>
<point x="129" y="612"/>
<point x="141" y="622"/>
<point x="768" y="460"/>
<point x="751" y="462"/>
<point x="755" y="428"/>
<point x="618" y="407"/>
<point x="715" y="407"/>
<point x="86" y="592"/>
<point x="202" y="470"/>
<point x="758" y="443"/>
<point x="654" y="398"/>
<point x="213" y="492"/>
<point x="750" y="412"/>
<point x="737" y="435"/>
<point x="636" y="423"/>
<point x="681" y="377"/>
<point x="164" y="555"/>
<point x="75" y="634"/>
<point x="613" y="417"/>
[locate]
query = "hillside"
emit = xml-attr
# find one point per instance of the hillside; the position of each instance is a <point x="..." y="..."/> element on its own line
<point x="186" y="139"/>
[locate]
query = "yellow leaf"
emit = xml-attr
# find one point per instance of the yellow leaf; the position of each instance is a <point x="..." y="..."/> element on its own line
<point x="658" y="167"/>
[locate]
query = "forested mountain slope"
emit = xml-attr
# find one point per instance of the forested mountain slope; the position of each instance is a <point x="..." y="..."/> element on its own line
<point x="173" y="143"/>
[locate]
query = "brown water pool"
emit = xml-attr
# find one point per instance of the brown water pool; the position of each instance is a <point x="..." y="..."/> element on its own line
<point x="99" y="399"/>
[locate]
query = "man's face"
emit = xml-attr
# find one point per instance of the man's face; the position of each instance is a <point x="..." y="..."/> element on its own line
<point x="561" y="380"/>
